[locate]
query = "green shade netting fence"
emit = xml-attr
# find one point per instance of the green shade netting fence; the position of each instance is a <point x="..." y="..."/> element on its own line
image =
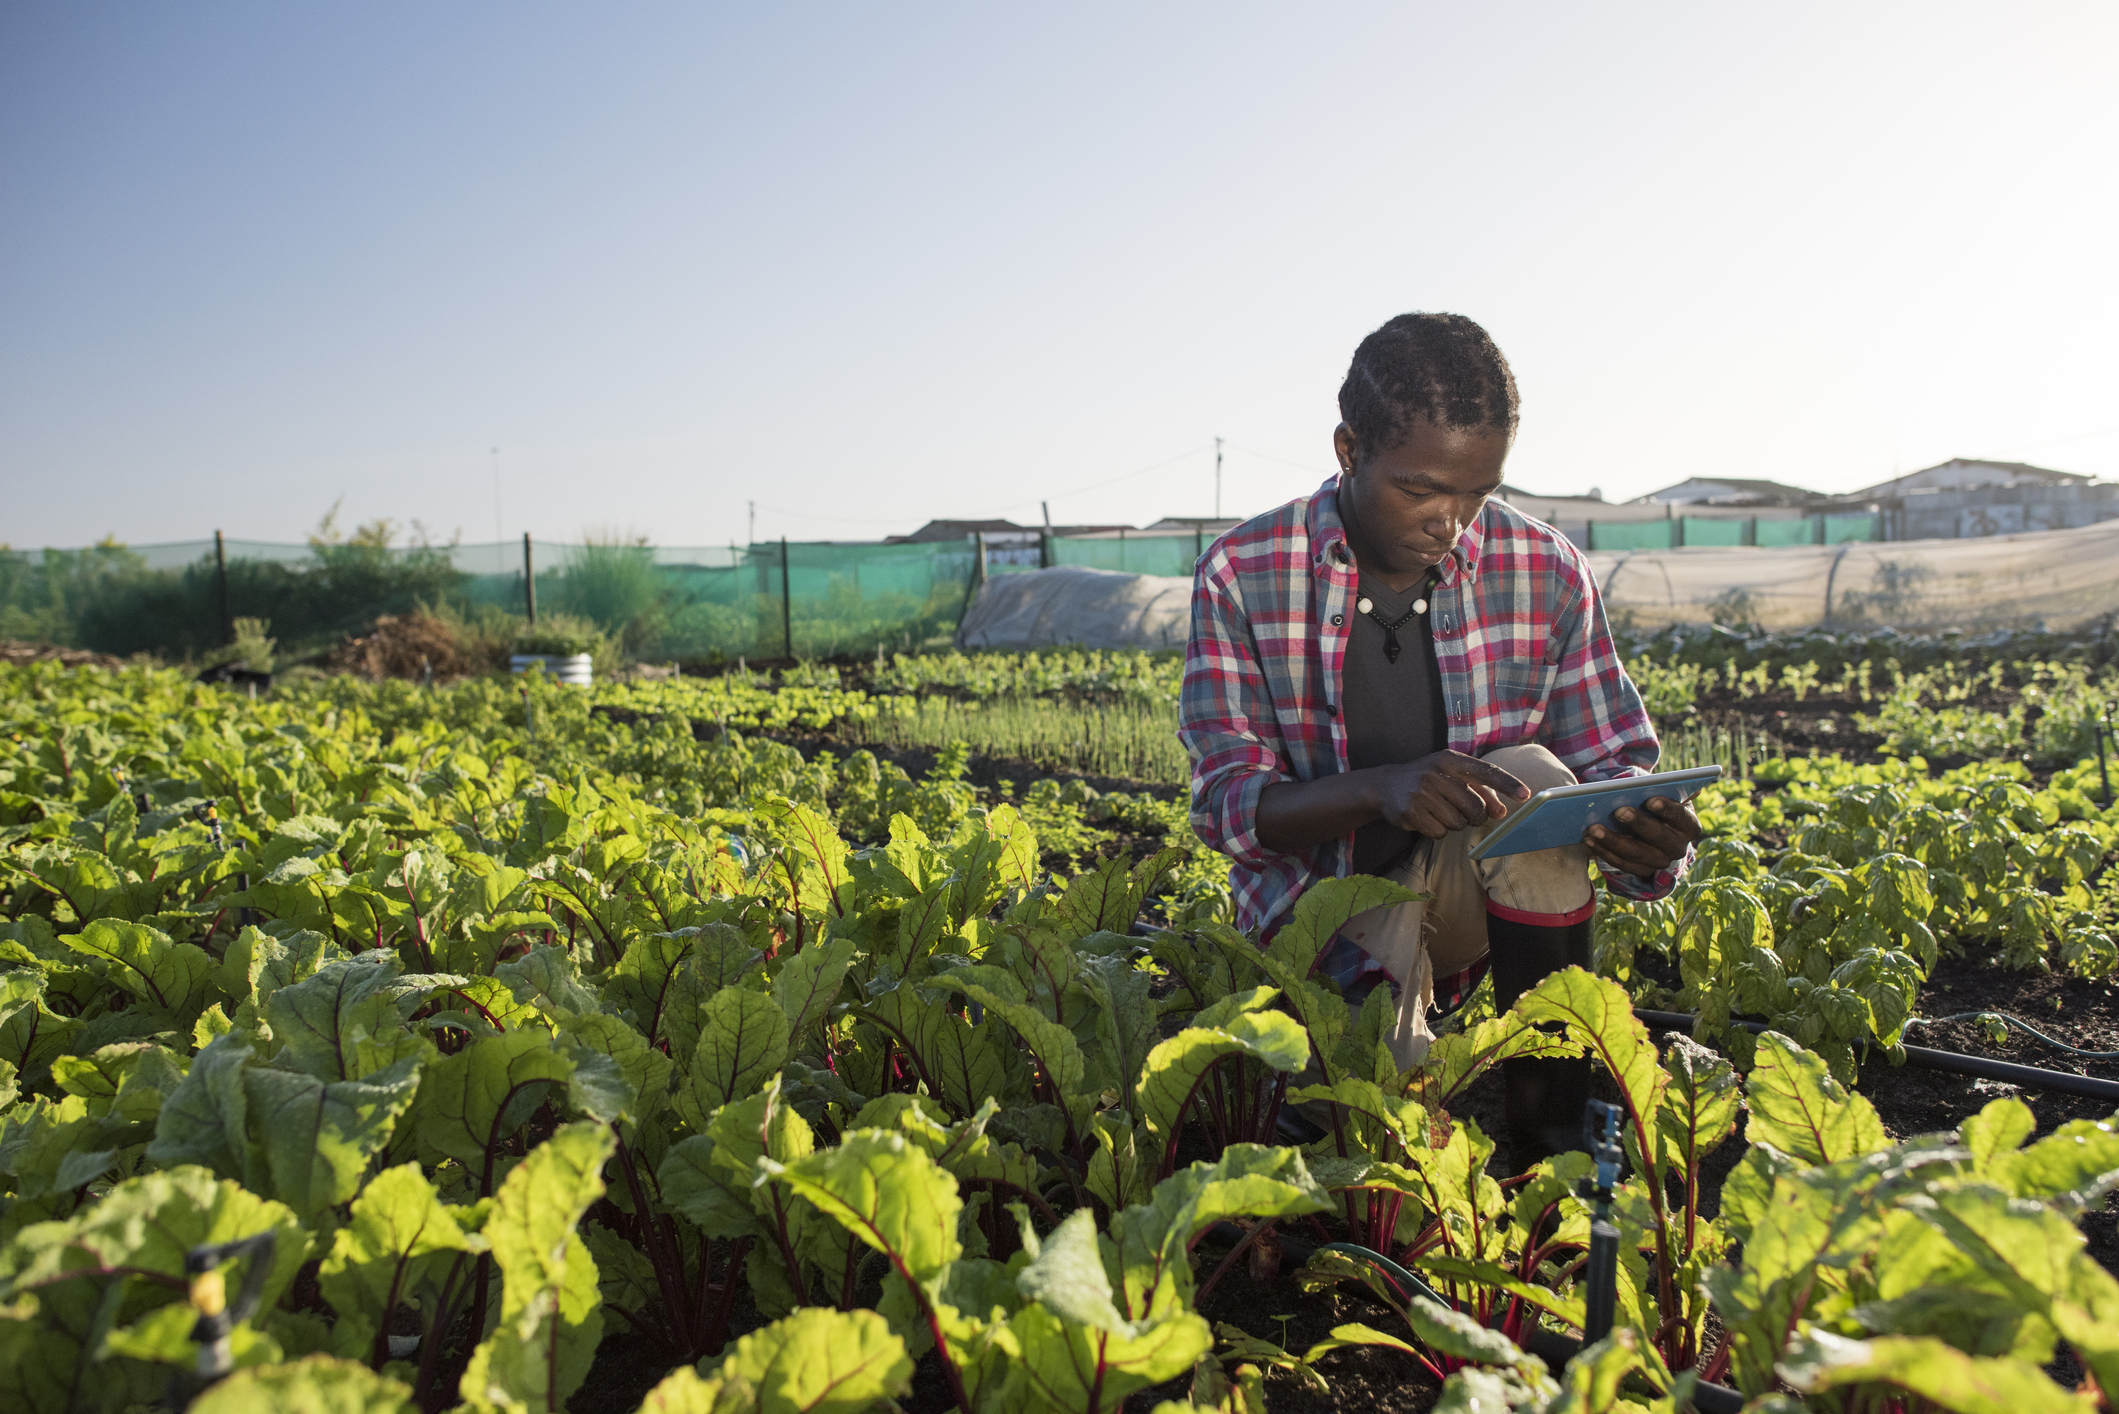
<point x="1786" y="532"/>
<point x="1841" y="530"/>
<point x="671" y="601"/>
<point x="1703" y="530"/>
<point x="1133" y="554"/>
<point x="1629" y="535"/>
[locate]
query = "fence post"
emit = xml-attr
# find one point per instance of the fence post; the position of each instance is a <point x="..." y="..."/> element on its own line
<point x="220" y="579"/>
<point x="787" y="602"/>
<point x="529" y="579"/>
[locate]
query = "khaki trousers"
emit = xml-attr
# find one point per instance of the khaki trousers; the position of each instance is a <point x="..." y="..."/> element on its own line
<point x="1446" y="932"/>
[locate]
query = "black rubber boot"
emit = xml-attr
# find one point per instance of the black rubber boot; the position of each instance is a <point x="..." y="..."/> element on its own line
<point x="1545" y="1097"/>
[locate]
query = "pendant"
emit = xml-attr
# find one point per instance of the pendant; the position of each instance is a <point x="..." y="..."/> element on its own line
<point x="1390" y="645"/>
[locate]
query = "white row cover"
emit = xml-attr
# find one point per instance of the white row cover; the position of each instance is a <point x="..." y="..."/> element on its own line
<point x="2055" y="578"/>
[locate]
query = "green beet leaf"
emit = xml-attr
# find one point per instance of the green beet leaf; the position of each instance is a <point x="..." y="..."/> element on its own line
<point x="1699" y="1105"/>
<point x="1324" y="909"/>
<point x="550" y="1316"/>
<point x="398" y="1247"/>
<point x="962" y="1063"/>
<point x="173" y="977"/>
<point x="547" y="978"/>
<point x="318" y="1137"/>
<point x="206" y="1120"/>
<point x="1154" y="1239"/>
<point x="1174" y="1069"/>
<point x="1053" y="1046"/>
<point x="318" y="1384"/>
<point x="2037" y="1255"/>
<point x="809" y="984"/>
<point x="1799" y="1109"/>
<point x="345" y="1021"/>
<point x="472" y="1101"/>
<point x="1925" y="1367"/>
<point x="1075" y="1369"/>
<point x="818" y="1362"/>
<point x="887" y="1192"/>
<point x="1067" y="1277"/>
<point x="743" y="1038"/>
<point x="712" y="1178"/>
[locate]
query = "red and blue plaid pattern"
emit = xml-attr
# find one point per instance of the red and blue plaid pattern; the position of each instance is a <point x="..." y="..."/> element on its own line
<point x="1520" y="638"/>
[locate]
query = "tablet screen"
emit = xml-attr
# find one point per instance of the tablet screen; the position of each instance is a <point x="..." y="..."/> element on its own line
<point x="1561" y="815"/>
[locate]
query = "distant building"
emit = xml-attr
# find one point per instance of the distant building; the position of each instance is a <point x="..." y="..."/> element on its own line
<point x="1212" y="526"/>
<point x="1728" y="491"/>
<point x="1967" y="497"/>
<point x="1008" y="545"/>
<point x="1968" y="473"/>
<point x="997" y="532"/>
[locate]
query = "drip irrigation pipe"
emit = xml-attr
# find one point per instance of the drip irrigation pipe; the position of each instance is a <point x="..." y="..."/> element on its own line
<point x="2019" y="1023"/>
<point x="1929" y="1059"/>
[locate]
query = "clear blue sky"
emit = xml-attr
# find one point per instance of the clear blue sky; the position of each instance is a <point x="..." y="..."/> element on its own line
<point x="871" y="264"/>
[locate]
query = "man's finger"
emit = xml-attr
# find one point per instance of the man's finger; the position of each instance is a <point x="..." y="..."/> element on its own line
<point x="1422" y="820"/>
<point x="1445" y="807"/>
<point x="1493" y="805"/>
<point x="1649" y="831"/>
<point x="1471" y="768"/>
<point x="1677" y="815"/>
<point x="1625" y="851"/>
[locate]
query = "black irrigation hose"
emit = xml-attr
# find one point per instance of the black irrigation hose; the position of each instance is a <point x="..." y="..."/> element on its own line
<point x="1929" y="1059"/>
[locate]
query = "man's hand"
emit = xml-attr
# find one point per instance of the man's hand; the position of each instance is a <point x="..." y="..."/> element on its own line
<point x="1444" y="792"/>
<point x="1650" y="839"/>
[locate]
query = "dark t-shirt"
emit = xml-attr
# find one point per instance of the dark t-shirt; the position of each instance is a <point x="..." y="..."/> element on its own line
<point x="1394" y="711"/>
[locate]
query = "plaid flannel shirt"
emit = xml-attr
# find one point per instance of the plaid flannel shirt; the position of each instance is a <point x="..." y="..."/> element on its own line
<point x="1521" y="641"/>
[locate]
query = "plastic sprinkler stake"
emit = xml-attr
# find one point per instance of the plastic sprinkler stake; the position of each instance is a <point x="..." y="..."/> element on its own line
<point x="1600" y="1135"/>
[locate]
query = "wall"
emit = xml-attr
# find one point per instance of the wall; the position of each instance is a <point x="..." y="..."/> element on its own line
<point x="1997" y="510"/>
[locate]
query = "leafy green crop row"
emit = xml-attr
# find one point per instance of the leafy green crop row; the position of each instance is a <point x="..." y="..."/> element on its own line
<point x="515" y="1027"/>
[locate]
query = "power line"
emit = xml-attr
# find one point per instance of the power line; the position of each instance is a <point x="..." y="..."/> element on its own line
<point x="1099" y="485"/>
<point x="1284" y="461"/>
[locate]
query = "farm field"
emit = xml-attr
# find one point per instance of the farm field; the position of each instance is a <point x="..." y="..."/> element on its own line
<point x="842" y="1034"/>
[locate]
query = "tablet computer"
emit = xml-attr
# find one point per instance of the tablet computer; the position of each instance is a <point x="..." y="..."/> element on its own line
<point x="1560" y="815"/>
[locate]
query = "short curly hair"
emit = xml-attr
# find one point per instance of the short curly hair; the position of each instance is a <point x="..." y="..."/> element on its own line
<point x="1442" y="367"/>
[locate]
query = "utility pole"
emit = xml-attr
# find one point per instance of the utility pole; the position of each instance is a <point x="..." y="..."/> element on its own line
<point x="1044" y="543"/>
<point x="1217" y="478"/>
<point x="753" y="523"/>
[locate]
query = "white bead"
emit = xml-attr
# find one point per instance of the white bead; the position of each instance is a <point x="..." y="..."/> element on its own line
<point x="1420" y="606"/>
<point x="1362" y="606"/>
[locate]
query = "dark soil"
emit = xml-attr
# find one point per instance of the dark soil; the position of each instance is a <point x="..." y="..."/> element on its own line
<point x="1824" y="724"/>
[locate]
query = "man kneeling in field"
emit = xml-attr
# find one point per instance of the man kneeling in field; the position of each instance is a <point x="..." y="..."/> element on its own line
<point x="1381" y="671"/>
